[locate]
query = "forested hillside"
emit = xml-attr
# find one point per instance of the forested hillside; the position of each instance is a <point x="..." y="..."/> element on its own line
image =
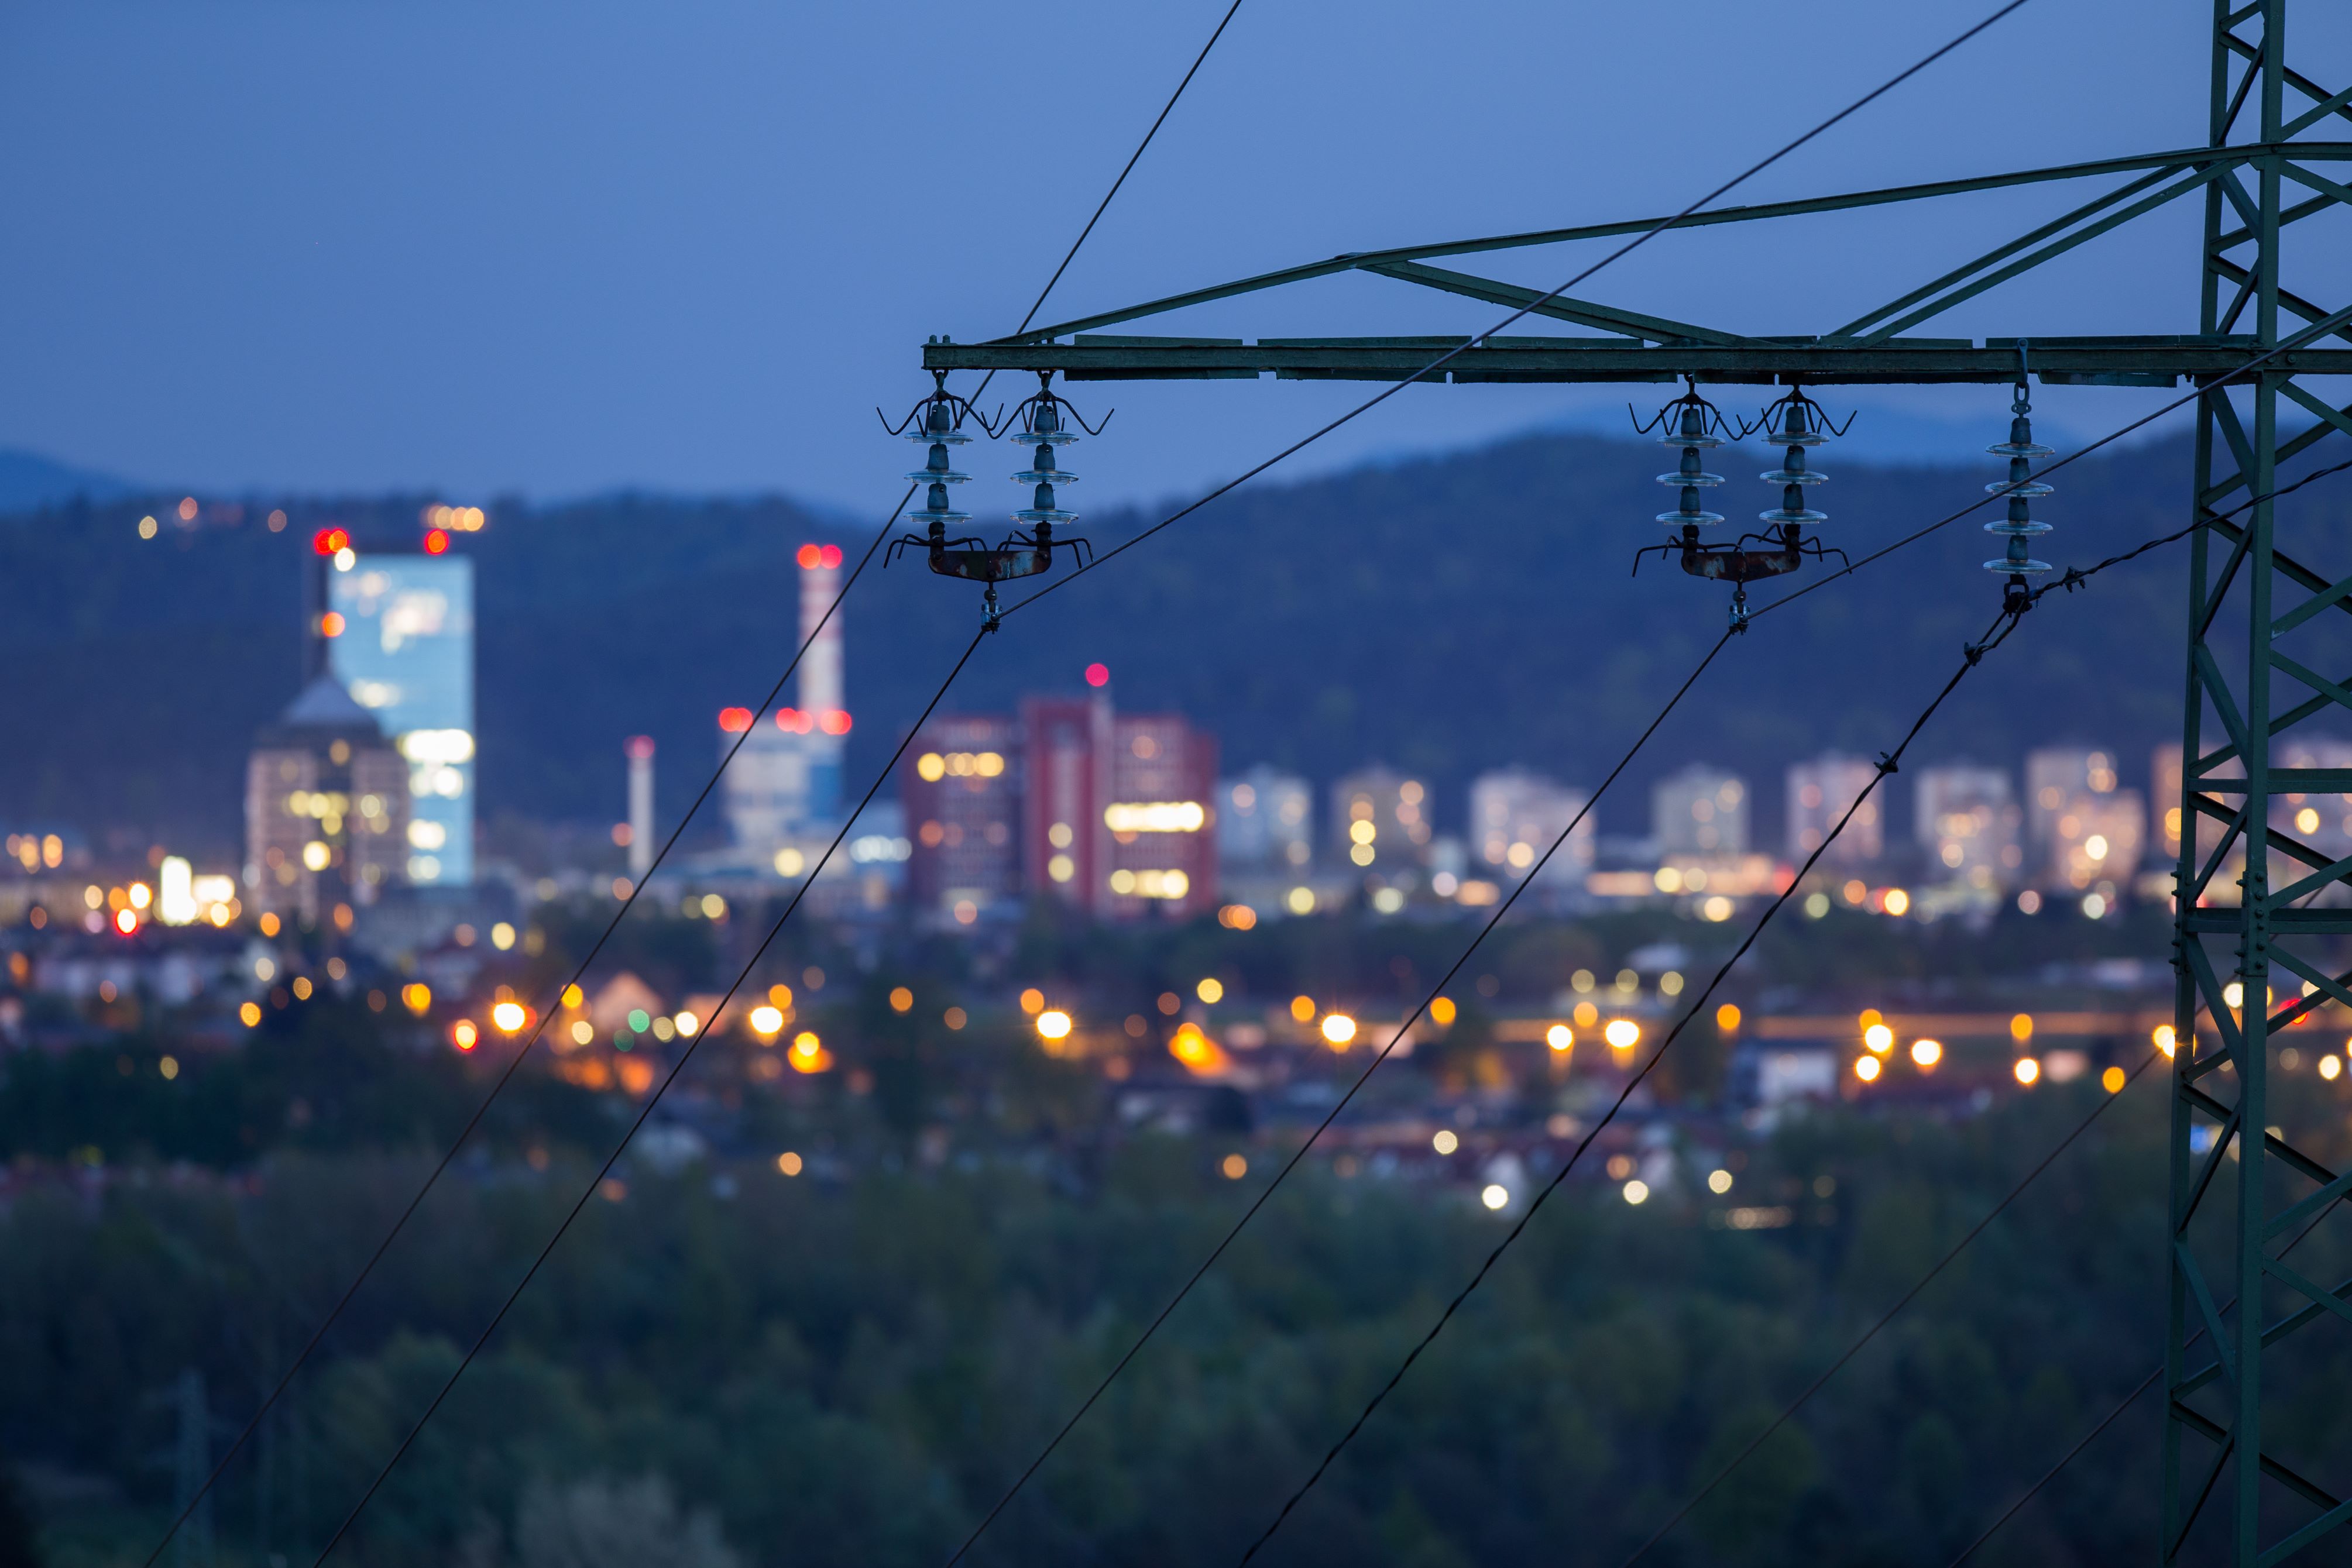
<point x="1445" y="614"/>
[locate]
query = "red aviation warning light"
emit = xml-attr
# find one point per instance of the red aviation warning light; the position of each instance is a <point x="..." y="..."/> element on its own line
<point x="1097" y="674"/>
<point x="436" y="542"/>
<point x="811" y="557"/>
<point x="801" y="721"/>
<point x="830" y="556"/>
<point x="327" y="541"/>
<point x="734" y="720"/>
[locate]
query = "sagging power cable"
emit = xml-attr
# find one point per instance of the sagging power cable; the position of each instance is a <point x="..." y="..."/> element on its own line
<point x="693" y="1042"/>
<point x="1815" y="1387"/>
<point x="1420" y="1008"/>
<point x="2002" y="626"/>
<point x="1386" y="393"/>
<point x="2073" y="579"/>
<point x="2144" y="1385"/>
<point x="1450" y="355"/>
<point x="1888" y="762"/>
<point x="1068" y="256"/>
<point x="506" y="1073"/>
<point x="1104" y="206"/>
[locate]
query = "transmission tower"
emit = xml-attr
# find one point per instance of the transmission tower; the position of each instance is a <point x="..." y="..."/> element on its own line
<point x="2250" y="889"/>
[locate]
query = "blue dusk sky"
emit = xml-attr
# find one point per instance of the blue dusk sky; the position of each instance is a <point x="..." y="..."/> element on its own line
<point x="522" y="246"/>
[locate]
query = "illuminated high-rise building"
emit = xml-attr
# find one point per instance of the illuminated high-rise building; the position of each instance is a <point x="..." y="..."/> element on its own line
<point x="2056" y="776"/>
<point x="1066" y="752"/>
<point x="1380" y="819"/>
<point x="1819" y="791"/>
<point x="2082" y="831"/>
<point x="1967" y="820"/>
<point x="399" y="634"/>
<point x="1516" y="816"/>
<point x="1163" y="855"/>
<point x="326" y="809"/>
<point x="1266" y="822"/>
<point x="1071" y="801"/>
<point x="1116" y="809"/>
<point x="1700" y="812"/>
<point x="784" y="786"/>
<point x="959" y="784"/>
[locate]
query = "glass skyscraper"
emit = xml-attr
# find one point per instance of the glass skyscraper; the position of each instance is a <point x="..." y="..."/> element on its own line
<point x="405" y="650"/>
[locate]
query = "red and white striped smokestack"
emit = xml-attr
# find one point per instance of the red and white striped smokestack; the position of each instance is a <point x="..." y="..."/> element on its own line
<point x="820" y="677"/>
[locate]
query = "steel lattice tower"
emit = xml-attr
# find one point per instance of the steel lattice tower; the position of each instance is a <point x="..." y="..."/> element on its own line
<point x="2240" y="1191"/>
<point x="2236" y="1202"/>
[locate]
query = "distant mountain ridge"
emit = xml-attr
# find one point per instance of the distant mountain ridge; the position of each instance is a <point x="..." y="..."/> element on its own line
<point x="29" y="480"/>
<point x="1446" y="615"/>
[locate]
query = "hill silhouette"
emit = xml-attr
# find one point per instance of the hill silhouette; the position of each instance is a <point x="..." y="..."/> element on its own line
<point x="1445" y="614"/>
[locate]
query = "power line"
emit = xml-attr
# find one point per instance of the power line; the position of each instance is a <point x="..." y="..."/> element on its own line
<point x="1969" y="1549"/>
<point x="2110" y="1418"/>
<point x="1886" y="1317"/>
<point x="2071" y="580"/>
<point x="1105" y="206"/>
<point x="1532" y="305"/>
<point x="1386" y="393"/>
<point x="368" y="1267"/>
<point x="693" y="1042"/>
<point x="1323" y="1126"/>
<point x="1998" y="632"/>
<point x="506" y="1074"/>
